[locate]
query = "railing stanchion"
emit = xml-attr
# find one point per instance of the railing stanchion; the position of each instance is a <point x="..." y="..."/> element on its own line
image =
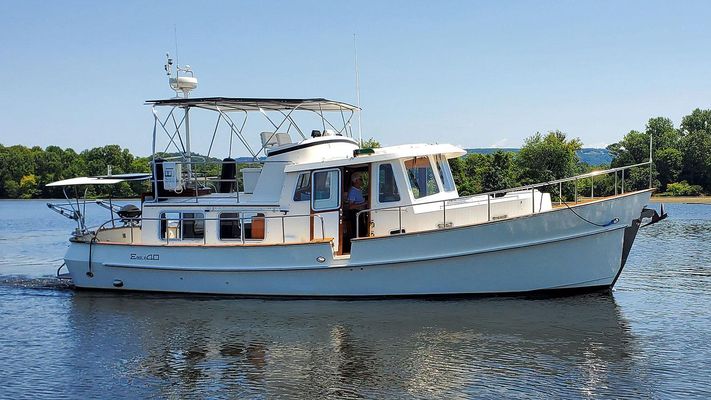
<point x="592" y="187"/>
<point x="399" y="217"/>
<point x="560" y="193"/>
<point x="576" y="191"/>
<point x="444" y="213"/>
<point x="323" y="234"/>
<point x="623" y="181"/>
<point x="615" y="183"/>
<point x="488" y="207"/>
<point x="283" y="230"/>
<point x="533" y="200"/>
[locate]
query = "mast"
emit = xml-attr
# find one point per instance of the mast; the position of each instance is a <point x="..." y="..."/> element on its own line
<point x="183" y="84"/>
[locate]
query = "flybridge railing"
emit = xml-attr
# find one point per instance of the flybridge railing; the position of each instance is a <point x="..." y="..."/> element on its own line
<point x="196" y="180"/>
<point x="136" y="223"/>
<point x="532" y="188"/>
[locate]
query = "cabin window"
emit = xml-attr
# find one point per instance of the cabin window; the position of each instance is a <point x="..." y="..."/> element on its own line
<point x="303" y="187"/>
<point x="254" y="225"/>
<point x="421" y="177"/>
<point x="230" y="226"/>
<point x="445" y="173"/>
<point x="179" y="226"/>
<point x="387" y="187"/>
<point x="325" y="187"/>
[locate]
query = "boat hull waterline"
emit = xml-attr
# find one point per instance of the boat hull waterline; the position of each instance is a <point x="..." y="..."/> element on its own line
<point x="553" y="250"/>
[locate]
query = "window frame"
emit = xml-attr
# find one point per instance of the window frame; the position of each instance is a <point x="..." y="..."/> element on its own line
<point x="298" y="188"/>
<point x="233" y="220"/>
<point x="394" y="181"/>
<point x="336" y="190"/>
<point x="445" y="173"/>
<point x="163" y="225"/>
<point x="435" y="174"/>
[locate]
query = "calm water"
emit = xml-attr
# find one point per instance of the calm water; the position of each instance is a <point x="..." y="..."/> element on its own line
<point x="650" y="339"/>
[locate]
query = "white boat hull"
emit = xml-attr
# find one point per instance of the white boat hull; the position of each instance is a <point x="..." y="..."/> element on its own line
<point x="553" y="250"/>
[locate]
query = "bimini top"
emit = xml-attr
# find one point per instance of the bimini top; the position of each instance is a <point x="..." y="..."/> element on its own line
<point x="254" y="104"/>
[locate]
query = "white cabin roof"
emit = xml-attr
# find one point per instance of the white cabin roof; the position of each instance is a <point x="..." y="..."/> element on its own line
<point x="383" y="154"/>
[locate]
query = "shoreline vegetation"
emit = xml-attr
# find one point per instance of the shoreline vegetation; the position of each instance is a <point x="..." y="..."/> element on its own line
<point x="682" y="199"/>
<point x="681" y="164"/>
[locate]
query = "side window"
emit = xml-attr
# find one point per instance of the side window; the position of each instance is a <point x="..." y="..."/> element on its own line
<point x="193" y="225"/>
<point x="303" y="187"/>
<point x="170" y="225"/>
<point x="230" y="226"/>
<point x="445" y="173"/>
<point x="325" y="187"/>
<point x="387" y="187"/>
<point x="253" y="226"/>
<point x="178" y="226"/>
<point x="421" y="176"/>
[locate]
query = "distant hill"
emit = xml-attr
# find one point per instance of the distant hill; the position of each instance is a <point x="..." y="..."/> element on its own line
<point x="587" y="155"/>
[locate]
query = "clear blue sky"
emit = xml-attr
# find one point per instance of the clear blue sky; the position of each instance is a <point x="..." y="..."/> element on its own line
<point x="475" y="74"/>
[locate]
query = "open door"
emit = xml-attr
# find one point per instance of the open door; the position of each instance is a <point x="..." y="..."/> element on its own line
<point x="326" y="205"/>
<point x="356" y="197"/>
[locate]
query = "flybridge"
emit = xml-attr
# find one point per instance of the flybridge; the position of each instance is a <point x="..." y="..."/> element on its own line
<point x="280" y="123"/>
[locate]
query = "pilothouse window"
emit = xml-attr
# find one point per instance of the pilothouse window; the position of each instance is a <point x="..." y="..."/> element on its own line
<point x="445" y="173"/>
<point x="303" y="187"/>
<point x="387" y="187"/>
<point x="421" y="177"/>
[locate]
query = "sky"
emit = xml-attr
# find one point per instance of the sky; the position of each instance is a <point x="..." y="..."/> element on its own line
<point x="470" y="73"/>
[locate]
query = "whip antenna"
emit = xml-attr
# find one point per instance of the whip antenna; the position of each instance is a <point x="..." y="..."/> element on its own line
<point x="355" y="52"/>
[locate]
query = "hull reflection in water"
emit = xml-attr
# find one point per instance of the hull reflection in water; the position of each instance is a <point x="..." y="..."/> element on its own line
<point x="205" y="347"/>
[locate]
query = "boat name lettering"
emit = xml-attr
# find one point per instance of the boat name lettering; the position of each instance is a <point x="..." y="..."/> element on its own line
<point x="147" y="257"/>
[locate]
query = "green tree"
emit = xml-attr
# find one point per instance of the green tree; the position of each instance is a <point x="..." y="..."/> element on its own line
<point x="669" y="162"/>
<point x="697" y="158"/>
<point x="369" y="144"/>
<point x="28" y="187"/>
<point x="546" y="158"/>
<point x="663" y="134"/>
<point x="498" y="174"/>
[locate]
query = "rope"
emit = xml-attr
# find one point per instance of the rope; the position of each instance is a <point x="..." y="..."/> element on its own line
<point x="613" y="221"/>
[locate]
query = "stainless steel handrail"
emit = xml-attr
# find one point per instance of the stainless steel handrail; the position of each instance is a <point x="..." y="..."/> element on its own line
<point x="488" y="195"/>
<point x="133" y="223"/>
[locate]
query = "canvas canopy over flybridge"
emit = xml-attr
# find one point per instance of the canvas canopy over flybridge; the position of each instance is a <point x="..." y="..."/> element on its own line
<point x="256" y="104"/>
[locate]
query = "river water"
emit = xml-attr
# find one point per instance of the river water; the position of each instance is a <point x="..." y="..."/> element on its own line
<point x="650" y="338"/>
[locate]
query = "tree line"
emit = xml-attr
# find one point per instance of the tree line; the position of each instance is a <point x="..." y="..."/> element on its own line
<point x="681" y="164"/>
<point x="681" y="161"/>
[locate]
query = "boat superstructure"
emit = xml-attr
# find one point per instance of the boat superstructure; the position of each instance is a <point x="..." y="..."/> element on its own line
<point x="285" y="221"/>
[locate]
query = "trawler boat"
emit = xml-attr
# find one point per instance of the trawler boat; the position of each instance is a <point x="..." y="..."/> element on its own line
<point x="312" y="214"/>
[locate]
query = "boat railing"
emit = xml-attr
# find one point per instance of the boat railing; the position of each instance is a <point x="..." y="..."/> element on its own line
<point x="136" y="223"/>
<point x="198" y="179"/>
<point x="532" y="187"/>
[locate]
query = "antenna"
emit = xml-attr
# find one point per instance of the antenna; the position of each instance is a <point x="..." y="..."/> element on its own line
<point x="355" y="52"/>
<point x="175" y="36"/>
